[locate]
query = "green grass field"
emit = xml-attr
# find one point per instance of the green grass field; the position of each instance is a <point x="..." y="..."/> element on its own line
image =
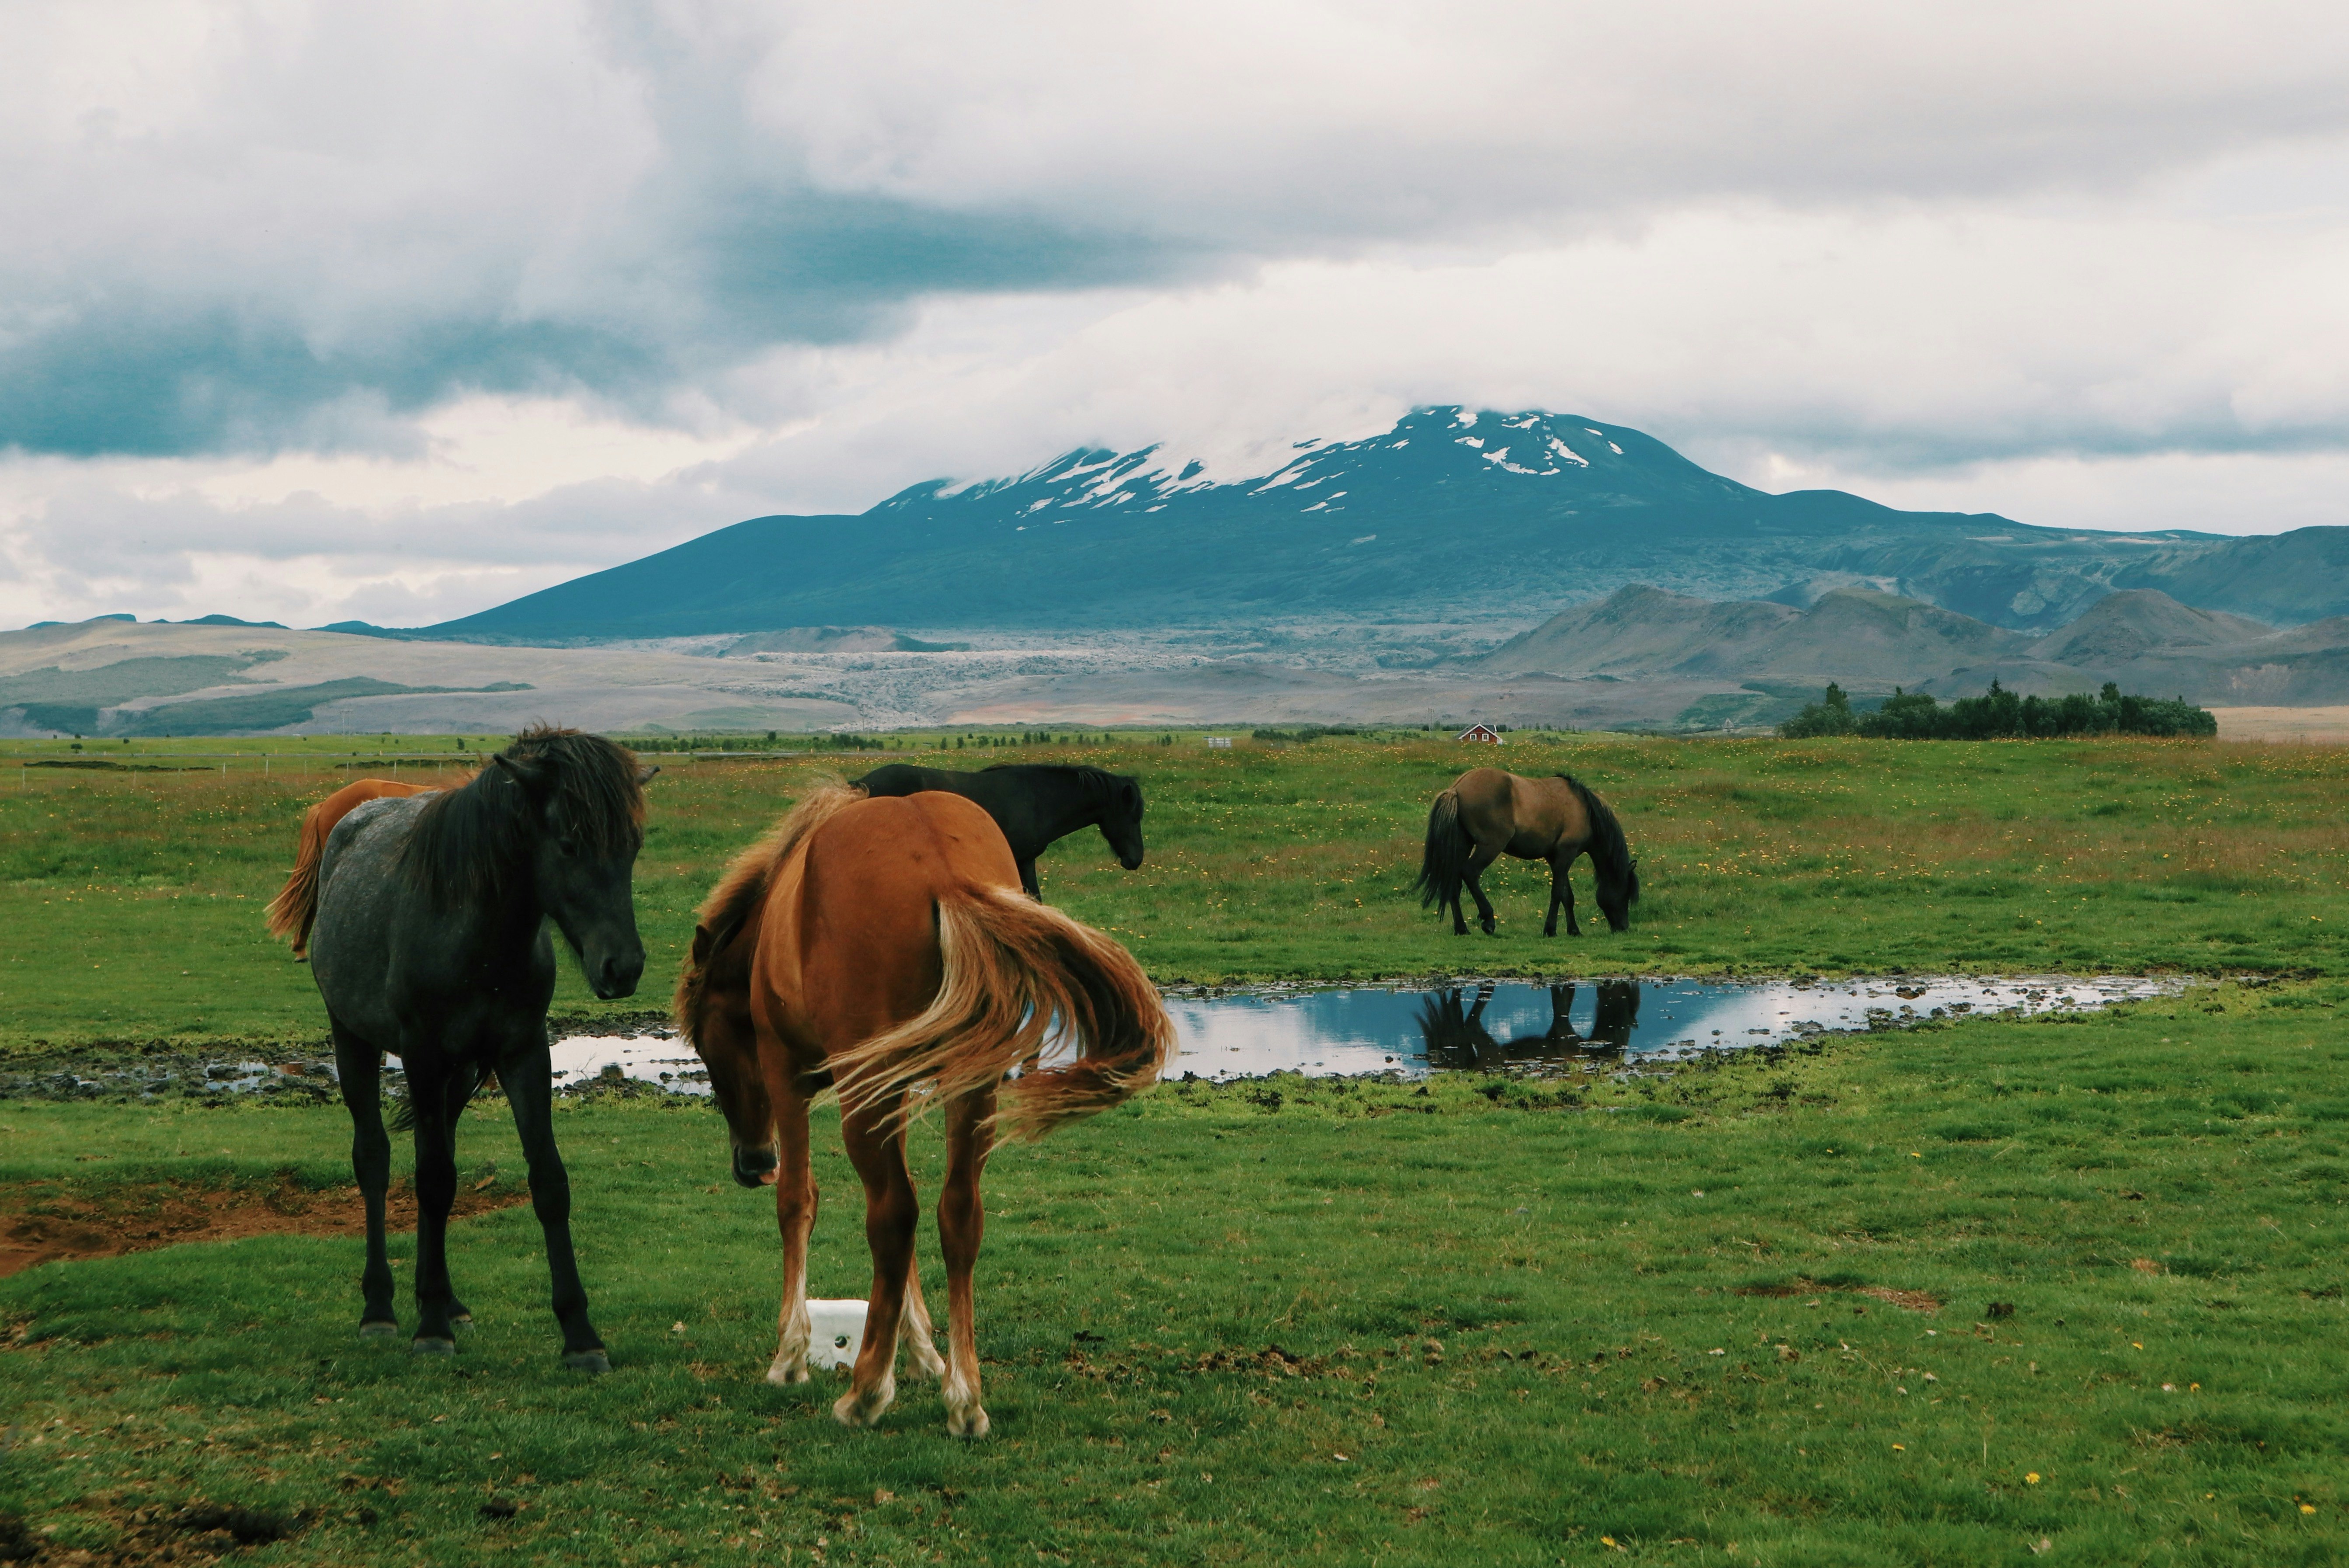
<point x="134" y="900"/>
<point x="1741" y="1314"/>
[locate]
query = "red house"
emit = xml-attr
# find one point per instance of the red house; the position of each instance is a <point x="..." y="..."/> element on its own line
<point x="1481" y="734"/>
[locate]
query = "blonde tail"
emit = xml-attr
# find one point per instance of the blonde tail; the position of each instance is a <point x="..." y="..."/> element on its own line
<point x="1012" y="966"/>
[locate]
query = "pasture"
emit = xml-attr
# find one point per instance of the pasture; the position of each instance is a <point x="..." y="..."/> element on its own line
<point x="1745" y="1313"/>
<point x="133" y="900"/>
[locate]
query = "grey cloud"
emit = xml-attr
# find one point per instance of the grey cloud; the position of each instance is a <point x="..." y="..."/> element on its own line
<point x="354" y="217"/>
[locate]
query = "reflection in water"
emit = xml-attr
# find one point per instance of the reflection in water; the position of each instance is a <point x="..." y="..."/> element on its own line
<point x="1501" y="1025"/>
<point x="1454" y="1036"/>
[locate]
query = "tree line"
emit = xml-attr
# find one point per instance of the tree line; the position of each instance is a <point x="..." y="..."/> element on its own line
<point x="1999" y="714"/>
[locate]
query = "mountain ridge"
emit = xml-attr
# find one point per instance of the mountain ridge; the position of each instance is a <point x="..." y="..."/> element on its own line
<point x="1467" y="516"/>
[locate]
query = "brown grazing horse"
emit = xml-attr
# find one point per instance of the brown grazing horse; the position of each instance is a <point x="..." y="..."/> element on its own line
<point x="878" y="946"/>
<point x="296" y="904"/>
<point x="1487" y="814"/>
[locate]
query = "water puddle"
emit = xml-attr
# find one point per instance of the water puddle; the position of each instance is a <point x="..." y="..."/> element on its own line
<point x="1513" y="1026"/>
<point x="1333" y="1032"/>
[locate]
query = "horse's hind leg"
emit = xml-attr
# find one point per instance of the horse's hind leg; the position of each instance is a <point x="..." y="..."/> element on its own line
<point x="795" y="1200"/>
<point x="878" y="1152"/>
<point x="360" y="1065"/>
<point x="1478" y="860"/>
<point x="962" y="1220"/>
<point x="528" y="1077"/>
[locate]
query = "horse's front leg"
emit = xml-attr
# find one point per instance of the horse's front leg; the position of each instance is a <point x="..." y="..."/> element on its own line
<point x="795" y="1201"/>
<point x="528" y="1076"/>
<point x="435" y="1194"/>
<point x="962" y="1220"/>
<point x="359" y="1067"/>
<point x="878" y="1152"/>
<point x="1561" y="893"/>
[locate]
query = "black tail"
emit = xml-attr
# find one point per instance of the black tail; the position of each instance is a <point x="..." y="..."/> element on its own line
<point x="1610" y="856"/>
<point x="1445" y="863"/>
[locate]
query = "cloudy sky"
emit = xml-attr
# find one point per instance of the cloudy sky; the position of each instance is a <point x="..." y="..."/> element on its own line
<point x="315" y="311"/>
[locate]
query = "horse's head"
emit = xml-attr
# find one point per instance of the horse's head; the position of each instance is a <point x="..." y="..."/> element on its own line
<point x="1617" y="894"/>
<point x="1121" y="817"/>
<point x="586" y="804"/>
<point x="713" y="1010"/>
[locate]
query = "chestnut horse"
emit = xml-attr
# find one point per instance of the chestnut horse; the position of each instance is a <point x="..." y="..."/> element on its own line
<point x="1487" y="814"/>
<point x="878" y="946"/>
<point x="296" y="904"/>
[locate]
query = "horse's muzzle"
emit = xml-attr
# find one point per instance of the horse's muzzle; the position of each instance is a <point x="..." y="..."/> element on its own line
<point x="1131" y="864"/>
<point x="754" y="1166"/>
<point x="615" y="975"/>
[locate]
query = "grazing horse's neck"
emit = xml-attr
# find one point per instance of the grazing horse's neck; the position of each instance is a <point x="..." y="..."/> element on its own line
<point x="1073" y="805"/>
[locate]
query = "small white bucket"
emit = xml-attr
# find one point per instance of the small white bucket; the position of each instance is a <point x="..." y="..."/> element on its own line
<point x="835" y="1332"/>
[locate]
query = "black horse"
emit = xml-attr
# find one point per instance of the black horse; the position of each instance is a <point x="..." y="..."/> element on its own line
<point x="430" y="943"/>
<point x="1034" y="804"/>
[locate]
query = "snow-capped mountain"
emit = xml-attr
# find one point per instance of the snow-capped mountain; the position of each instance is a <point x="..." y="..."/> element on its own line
<point x="1454" y="515"/>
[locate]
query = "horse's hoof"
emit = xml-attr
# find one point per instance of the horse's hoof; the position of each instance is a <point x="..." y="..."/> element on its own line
<point x="971" y="1424"/>
<point x="850" y="1410"/>
<point x="1490" y="928"/>
<point x="592" y="1362"/>
<point x="783" y="1376"/>
<point x="384" y="1330"/>
<point x="420" y="1345"/>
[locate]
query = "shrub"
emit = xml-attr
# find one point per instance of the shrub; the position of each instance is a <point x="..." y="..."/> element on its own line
<point x="1831" y="715"/>
<point x="2000" y="715"/>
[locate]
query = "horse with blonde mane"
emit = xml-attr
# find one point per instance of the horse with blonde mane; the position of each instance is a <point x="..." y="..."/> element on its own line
<point x="296" y="906"/>
<point x="883" y="948"/>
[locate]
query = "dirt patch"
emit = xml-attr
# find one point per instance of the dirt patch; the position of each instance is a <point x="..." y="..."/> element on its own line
<point x="39" y="1224"/>
<point x="1907" y="1300"/>
<point x="187" y="1537"/>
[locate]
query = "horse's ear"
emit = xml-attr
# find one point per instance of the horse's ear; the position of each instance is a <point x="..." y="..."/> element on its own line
<point x="528" y="771"/>
<point x="645" y="771"/>
<point x="700" y="943"/>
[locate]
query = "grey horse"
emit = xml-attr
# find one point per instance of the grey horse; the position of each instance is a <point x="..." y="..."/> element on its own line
<point x="431" y="943"/>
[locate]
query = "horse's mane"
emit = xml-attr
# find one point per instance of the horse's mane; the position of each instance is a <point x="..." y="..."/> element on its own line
<point x="469" y="844"/>
<point x="740" y="890"/>
<point x="1097" y="781"/>
<point x="1611" y="855"/>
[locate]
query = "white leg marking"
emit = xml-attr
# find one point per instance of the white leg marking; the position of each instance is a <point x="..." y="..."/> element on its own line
<point x="914" y="1332"/>
<point x="791" y="1333"/>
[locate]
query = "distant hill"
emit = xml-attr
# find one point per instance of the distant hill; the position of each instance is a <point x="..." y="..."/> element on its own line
<point x="1849" y="635"/>
<point x="1452" y="515"/>
<point x="2141" y="639"/>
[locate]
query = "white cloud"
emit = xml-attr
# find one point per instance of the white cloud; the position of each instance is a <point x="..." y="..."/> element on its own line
<point x="331" y="308"/>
